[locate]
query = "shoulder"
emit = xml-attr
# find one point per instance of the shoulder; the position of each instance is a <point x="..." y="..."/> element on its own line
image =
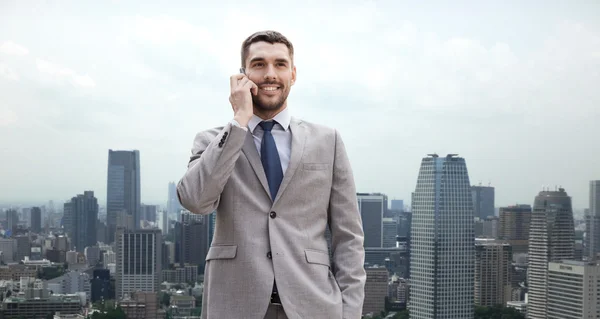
<point x="209" y="133"/>
<point x="317" y="130"/>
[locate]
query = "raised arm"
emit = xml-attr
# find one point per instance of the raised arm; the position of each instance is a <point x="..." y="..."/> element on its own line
<point x="214" y="154"/>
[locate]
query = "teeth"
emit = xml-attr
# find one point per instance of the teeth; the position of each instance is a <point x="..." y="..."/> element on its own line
<point x="269" y="88"/>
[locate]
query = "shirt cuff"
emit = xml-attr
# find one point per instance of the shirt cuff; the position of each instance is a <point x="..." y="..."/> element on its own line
<point x="234" y="122"/>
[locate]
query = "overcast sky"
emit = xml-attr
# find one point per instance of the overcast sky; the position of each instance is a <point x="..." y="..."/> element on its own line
<point x="511" y="87"/>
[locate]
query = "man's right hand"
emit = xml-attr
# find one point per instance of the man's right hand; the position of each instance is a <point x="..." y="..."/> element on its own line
<point x="241" y="98"/>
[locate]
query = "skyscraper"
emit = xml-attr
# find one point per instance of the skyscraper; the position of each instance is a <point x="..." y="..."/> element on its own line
<point x="551" y="239"/>
<point x="442" y="258"/>
<point x="12" y="220"/>
<point x="123" y="189"/>
<point x="493" y="266"/>
<point x="36" y="220"/>
<point x="514" y="227"/>
<point x="592" y="223"/>
<point x="81" y="218"/>
<point x="193" y="240"/>
<point x="139" y="256"/>
<point x="372" y="209"/>
<point x="173" y="205"/>
<point x="483" y="201"/>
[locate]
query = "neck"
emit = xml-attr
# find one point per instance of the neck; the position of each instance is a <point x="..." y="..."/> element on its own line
<point x="269" y="114"/>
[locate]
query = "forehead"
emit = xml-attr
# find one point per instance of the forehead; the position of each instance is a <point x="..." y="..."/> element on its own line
<point x="268" y="51"/>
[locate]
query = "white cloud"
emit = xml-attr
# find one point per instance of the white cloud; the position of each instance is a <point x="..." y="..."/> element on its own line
<point x="58" y="72"/>
<point x="7" y="116"/>
<point x="12" y="48"/>
<point x="8" y="73"/>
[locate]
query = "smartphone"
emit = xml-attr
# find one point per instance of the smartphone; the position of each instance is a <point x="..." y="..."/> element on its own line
<point x="242" y="70"/>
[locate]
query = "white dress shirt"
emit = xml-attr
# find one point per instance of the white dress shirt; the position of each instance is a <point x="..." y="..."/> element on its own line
<point x="281" y="134"/>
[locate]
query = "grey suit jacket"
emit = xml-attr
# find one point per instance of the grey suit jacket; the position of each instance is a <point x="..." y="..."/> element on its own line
<point x="258" y="240"/>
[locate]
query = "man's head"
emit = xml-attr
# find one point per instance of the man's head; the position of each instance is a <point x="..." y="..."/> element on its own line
<point x="268" y="58"/>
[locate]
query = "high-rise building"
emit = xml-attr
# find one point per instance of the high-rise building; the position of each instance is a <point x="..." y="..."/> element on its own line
<point x="23" y="247"/>
<point x="573" y="288"/>
<point x="149" y="212"/>
<point x="397" y="205"/>
<point x="173" y="204"/>
<point x="390" y="231"/>
<point x="551" y="239"/>
<point x="36" y="220"/>
<point x="514" y="227"/>
<point x="483" y="201"/>
<point x="372" y="209"/>
<point x="442" y="256"/>
<point x="376" y="289"/>
<point x="193" y="241"/>
<point x="122" y="189"/>
<point x="493" y="268"/>
<point x="139" y="254"/>
<point x="592" y="223"/>
<point x="80" y="220"/>
<point x="12" y="220"/>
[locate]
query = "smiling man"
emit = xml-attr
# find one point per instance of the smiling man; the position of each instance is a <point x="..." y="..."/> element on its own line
<point x="276" y="183"/>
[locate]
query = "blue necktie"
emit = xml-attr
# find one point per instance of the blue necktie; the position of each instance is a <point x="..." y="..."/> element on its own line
<point x="270" y="158"/>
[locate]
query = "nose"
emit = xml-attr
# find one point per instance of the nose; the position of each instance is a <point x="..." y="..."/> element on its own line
<point x="270" y="75"/>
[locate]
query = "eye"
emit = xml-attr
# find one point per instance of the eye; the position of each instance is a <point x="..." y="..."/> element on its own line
<point x="259" y="65"/>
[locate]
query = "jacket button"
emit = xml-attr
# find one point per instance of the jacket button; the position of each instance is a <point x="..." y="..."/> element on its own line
<point x="273" y="214"/>
<point x="269" y="255"/>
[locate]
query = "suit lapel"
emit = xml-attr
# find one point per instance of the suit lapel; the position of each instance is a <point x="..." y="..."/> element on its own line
<point x="298" y="141"/>
<point x="253" y="157"/>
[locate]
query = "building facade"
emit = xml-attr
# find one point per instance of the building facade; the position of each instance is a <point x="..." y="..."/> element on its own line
<point x="573" y="290"/>
<point x="514" y="227"/>
<point x="138" y="265"/>
<point x="123" y="189"/>
<point x="483" y="201"/>
<point x="551" y="239"/>
<point x="493" y="269"/>
<point x="372" y="208"/>
<point x="592" y="223"/>
<point x="442" y="249"/>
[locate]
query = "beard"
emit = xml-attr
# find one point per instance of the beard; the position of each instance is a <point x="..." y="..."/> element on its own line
<point x="271" y="103"/>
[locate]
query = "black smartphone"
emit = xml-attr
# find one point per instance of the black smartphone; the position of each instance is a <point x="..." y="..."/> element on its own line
<point x="242" y="71"/>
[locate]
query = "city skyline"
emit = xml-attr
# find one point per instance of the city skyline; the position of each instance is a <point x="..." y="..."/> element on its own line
<point x="150" y="77"/>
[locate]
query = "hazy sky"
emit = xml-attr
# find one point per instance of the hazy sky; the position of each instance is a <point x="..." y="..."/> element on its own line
<point x="513" y="88"/>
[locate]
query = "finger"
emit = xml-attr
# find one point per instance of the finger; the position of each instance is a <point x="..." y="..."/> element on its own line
<point x="234" y="79"/>
<point x="254" y="88"/>
<point x="250" y="86"/>
<point x="243" y="82"/>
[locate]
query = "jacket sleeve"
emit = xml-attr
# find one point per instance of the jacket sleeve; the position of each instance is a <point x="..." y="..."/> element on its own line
<point x="347" y="235"/>
<point x="213" y="158"/>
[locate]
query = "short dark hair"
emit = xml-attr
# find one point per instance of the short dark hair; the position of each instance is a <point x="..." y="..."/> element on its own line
<point x="268" y="36"/>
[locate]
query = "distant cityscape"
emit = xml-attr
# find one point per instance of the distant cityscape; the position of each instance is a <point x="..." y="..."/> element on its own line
<point x="444" y="256"/>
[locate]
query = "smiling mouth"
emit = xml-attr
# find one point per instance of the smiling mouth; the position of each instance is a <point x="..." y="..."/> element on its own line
<point x="269" y="88"/>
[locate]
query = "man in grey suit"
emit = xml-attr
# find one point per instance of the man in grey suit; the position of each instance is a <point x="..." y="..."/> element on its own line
<point x="276" y="183"/>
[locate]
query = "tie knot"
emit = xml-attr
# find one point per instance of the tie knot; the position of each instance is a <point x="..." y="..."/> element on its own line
<point x="267" y="126"/>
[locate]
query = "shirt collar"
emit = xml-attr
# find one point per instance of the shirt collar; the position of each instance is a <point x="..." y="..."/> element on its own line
<point x="283" y="118"/>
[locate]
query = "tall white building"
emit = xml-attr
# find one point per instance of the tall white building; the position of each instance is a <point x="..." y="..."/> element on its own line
<point x="443" y="242"/>
<point x="138" y="261"/>
<point x="551" y="239"/>
<point x="573" y="290"/>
